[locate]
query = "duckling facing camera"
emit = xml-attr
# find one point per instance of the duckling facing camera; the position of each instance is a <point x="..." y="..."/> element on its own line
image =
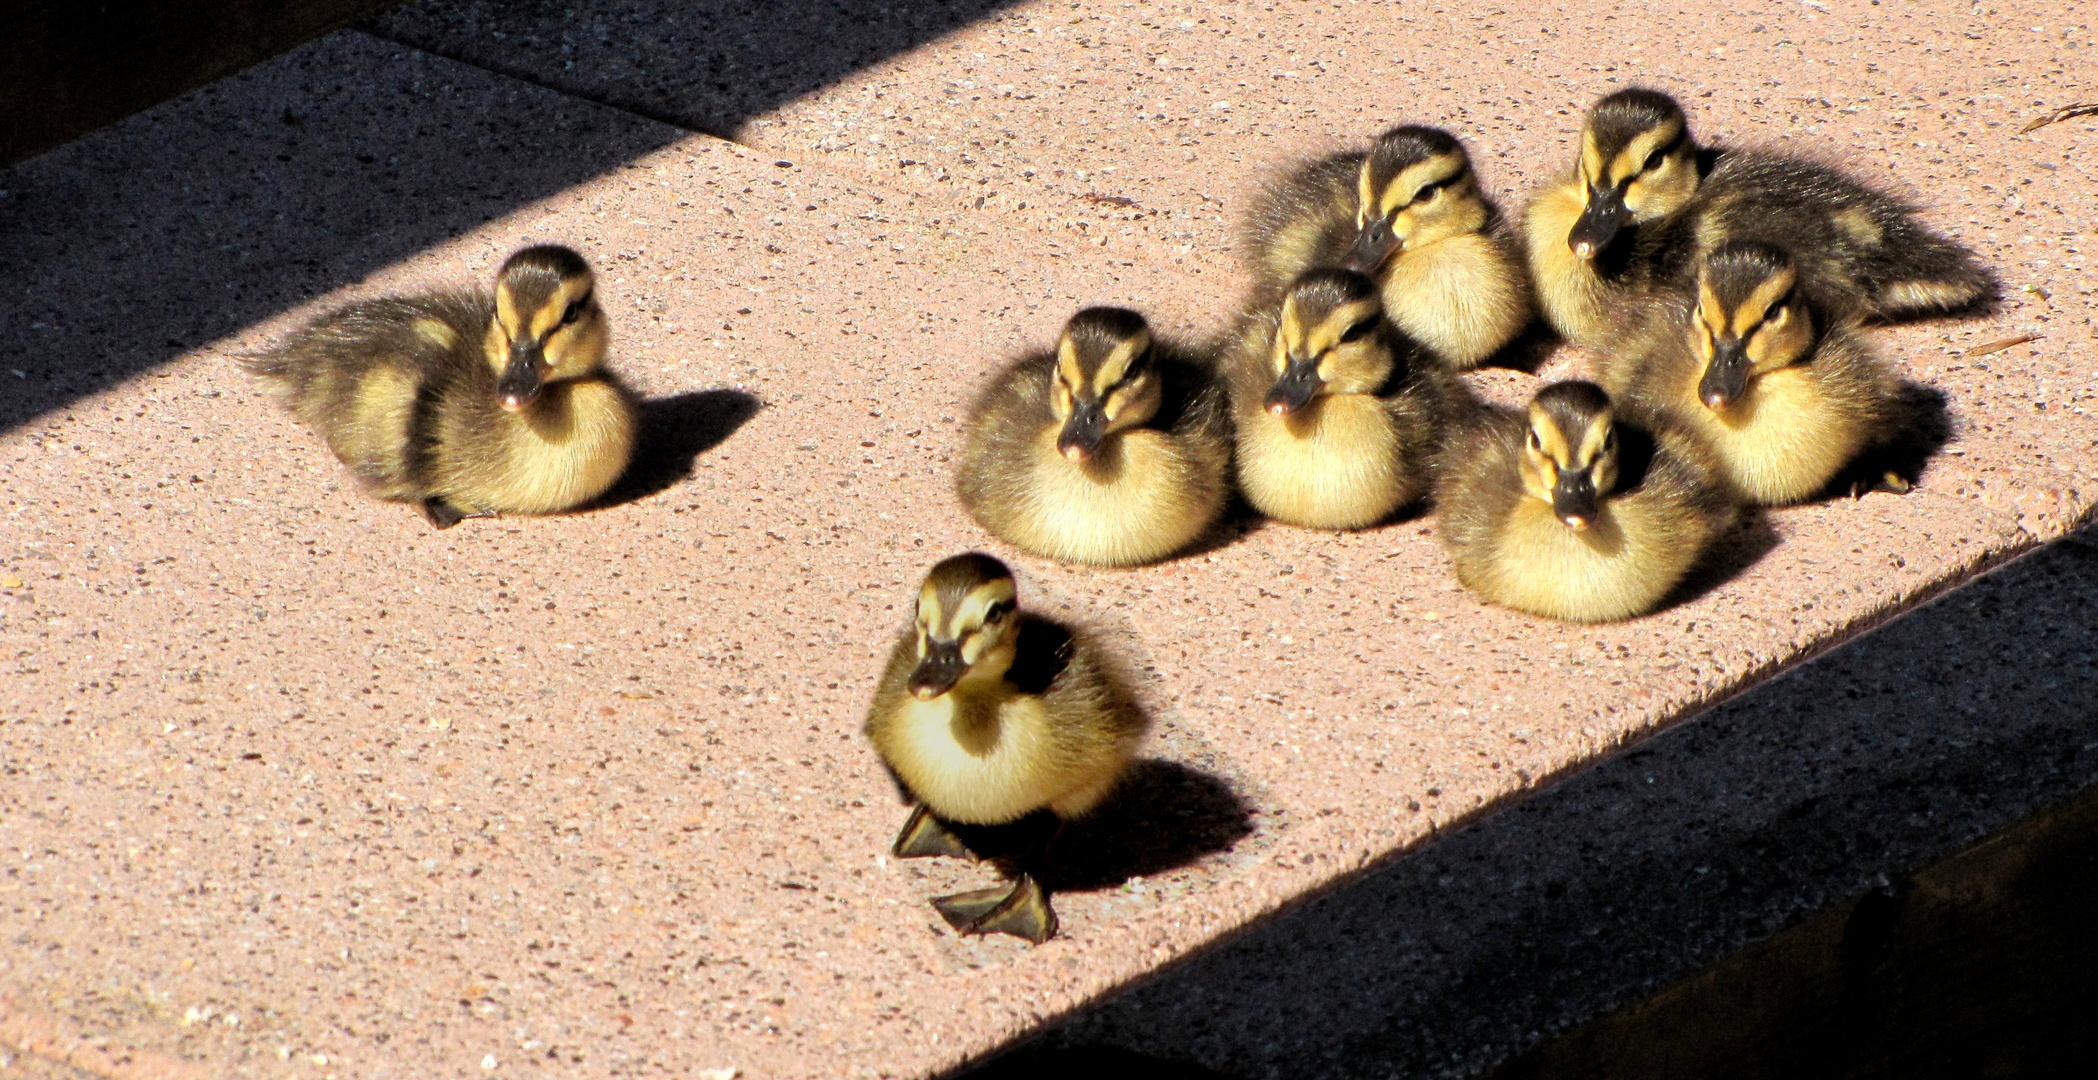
<point x="986" y="714"/>
<point x="1337" y="411"/>
<point x="1599" y="236"/>
<point x="467" y="403"/>
<point x="1113" y="449"/>
<point x="1644" y="202"/>
<point x="1785" y="395"/>
<point x="1574" y="511"/>
<point x="1409" y="213"/>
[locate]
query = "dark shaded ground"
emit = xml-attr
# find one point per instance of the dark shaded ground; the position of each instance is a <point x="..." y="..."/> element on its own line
<point x="196" y="219"/>
<point x="1978" y="966"/>
<point x="1811" y="789"/>
<point x="710" y="66"/>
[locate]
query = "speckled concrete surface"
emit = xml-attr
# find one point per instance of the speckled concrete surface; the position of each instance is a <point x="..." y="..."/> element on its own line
<point x="299" y="787"/>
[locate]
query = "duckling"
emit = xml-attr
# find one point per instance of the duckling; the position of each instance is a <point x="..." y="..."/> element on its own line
<point x="468" y="403"/>
<point x="1337" y="410"/>
<point x="1785" y="395"/>
<point x="1598" y="237"/>
<point x="985" y="715"/>
<point x="1114" y="449"/>
<point x="1409" y="213"/>
<point x="1575" y="510"/>
<point x="1644" y="201"/>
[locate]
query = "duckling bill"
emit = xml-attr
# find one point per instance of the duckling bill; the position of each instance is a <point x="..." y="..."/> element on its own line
<point x="986" y="715"/>
<point x="470" y="404"/>
<point x="1572" y="511"/>
<point x="1113" y="449"/>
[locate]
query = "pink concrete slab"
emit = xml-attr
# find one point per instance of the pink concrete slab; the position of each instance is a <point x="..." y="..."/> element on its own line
<point x="300" y="787"/>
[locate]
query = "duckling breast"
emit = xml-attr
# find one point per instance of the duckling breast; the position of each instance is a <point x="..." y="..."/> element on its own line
<point x="567" y="449"/>
<point x="980" y="762"/>
<point x="1463" y="297"/>
<point x="1337" y="464"/>
<point x="1624" y="563"/>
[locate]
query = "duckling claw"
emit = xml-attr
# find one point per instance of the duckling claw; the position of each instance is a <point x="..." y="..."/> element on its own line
<point x="1022" y="910"/>
<point x="923" y="836"/>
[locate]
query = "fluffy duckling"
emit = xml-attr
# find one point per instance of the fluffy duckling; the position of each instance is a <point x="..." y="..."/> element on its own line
<point x="1597" y="237"/>
<point x="1337" y="411"/>
<point x="1785" y="396"/>
<point x="1113" y="449"/>
<point x="986" y="714"/>
<point x="468" y="403"/>
<point x="1644" y="202"/>
<point x="1572" y="511"/>
<point x="1409" y="213"/>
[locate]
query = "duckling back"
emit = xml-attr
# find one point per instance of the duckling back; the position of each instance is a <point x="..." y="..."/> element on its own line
<point x="1058" y="732"/>
<point x="404" y="395"/>
<point x="1860" y="251"/>
<point x="368" y="378"/>
<point x="1511" y="548"/>
<point x="1140" y="495"/>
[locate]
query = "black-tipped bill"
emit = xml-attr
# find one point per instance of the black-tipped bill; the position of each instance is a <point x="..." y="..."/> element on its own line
<point x="522" y="379"/>
<point x="1299" y="383"/>
<point x="941" y="667"/>
<point x="1599" y="223"/>
<point x="1373" y="245"/>
<point x="1087" y="425"/>
<point x="1574" y="500"/>
<point x="1726" y="377"/>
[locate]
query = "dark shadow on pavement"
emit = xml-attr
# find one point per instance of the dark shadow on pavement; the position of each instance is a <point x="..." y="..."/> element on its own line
<point x="1875" y="759"/>
<point x="193" y="220"/>
<point x="674" y="432"/>
<point x="709" y="66"/>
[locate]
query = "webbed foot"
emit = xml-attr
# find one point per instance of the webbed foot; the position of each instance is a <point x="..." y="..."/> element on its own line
<point x="1021" y="910"/>
<point x="1890" y="481"/>
<point x="924" y="836"/>
<point x="444" y="515"/>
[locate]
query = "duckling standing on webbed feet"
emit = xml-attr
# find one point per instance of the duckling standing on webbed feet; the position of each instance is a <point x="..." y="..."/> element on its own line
<point x="469" y="404"/>
<point x="1785" y="396"/>
<point x="1337" y="411"/>
<point x="1572" y="511"/>
<point x="986" y="714"/>
<point x="1601" y="236"/>
<point x="1409" y="213"/>
<point x="1114" y="449"/>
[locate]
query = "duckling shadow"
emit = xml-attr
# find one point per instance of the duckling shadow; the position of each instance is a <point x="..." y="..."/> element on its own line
<point x="1059" y="1062"/>
<point x="1526" y="351"/>
<point x="1743" y="547"/>
<point x="674" y="432"/>
<point x="1926" y="426"/>
<point x="1165" y="815"/>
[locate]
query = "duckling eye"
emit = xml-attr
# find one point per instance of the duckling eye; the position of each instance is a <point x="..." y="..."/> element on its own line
<point x="1654" y="160"/>
<point x="1536" y="443"/>
<point x="997" y="611"/>
<point x="1359" y="331"/>
<point x="1428" y="191"/>
<point x="574" y="310"/>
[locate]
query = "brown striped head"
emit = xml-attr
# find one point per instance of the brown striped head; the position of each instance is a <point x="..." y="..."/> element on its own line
<point x="1750" y="319"/>
<point x="1330" y="340"/>
<point x="547" y="326"/>
<point x="1570" y="453"/>
<point x="967" y="623"/>
<point x="1638" y="164"/>
<point x="1415" y="187"/>
<point x="1103" y="382"/>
